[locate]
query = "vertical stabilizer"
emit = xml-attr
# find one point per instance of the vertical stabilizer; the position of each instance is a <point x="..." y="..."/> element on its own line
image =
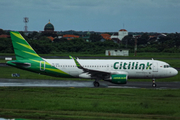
<point x="21" y="47"/>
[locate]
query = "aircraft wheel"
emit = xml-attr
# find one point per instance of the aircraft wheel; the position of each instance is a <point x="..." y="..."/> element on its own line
<point x="96" y="84"/>
<point x="154" y="85"/>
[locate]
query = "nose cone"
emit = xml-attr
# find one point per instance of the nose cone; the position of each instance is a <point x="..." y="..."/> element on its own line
<point x="174" y="72"/>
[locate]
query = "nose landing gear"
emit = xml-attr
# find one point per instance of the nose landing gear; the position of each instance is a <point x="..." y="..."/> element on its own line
<point x="154" y="83"/>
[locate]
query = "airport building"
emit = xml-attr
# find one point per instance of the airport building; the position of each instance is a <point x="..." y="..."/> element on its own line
<point x="120" y="35"/>
<point x="120" y="52"/>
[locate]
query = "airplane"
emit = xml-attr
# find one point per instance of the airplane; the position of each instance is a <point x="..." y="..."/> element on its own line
<point x="115" y="71"/>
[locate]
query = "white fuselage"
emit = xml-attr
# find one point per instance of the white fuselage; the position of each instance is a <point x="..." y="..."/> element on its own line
<point x="133" y="68"/>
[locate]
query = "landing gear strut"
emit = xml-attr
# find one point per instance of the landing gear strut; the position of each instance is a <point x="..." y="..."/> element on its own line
<point x="96" y="84"/>
<point x="154" y="83"/>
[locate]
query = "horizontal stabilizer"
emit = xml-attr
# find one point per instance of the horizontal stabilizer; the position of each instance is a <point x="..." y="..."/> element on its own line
<point x="22" y="64"/>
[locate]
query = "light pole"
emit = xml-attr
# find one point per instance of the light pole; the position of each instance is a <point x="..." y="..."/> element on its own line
<point x="135" y="47"/>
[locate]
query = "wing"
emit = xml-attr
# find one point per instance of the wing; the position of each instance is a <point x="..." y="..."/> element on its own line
<point x="118" y="77"/>
<point x="93" y="73"/>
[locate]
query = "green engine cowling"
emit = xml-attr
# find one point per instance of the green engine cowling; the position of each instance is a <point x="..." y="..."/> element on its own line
<point x="119" y="78"/>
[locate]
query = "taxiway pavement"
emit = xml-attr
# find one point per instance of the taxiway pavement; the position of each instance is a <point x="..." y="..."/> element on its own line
<point x="71" y="83"/>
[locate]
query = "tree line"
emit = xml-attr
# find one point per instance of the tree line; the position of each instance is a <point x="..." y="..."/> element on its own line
<point x="43" y="45"/>
<point x="169" y="43"/>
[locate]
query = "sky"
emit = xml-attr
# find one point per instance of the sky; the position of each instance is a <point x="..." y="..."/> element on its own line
<point x="92" y="15"/>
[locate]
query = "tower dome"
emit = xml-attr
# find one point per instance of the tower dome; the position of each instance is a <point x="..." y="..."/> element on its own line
<point x="122" y="30"/>
<point x="49" y="27"/>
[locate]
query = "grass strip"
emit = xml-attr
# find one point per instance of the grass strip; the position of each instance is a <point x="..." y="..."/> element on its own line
<point x="89" y="103"/>
<point x="37" y="114"/>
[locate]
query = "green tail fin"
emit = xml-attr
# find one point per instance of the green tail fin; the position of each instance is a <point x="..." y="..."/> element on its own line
<point x="21" y="47"/>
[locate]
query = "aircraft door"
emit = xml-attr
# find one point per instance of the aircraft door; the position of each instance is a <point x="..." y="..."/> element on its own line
<point x="155" y="67"/>
<point x="42" y="65"/>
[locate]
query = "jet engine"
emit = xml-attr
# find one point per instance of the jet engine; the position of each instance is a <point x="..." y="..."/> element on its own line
<point x="118" y="78"/>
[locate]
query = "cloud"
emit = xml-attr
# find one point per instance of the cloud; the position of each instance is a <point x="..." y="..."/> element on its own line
<point x="84" y="3"/>
<point x="93" y="14"/>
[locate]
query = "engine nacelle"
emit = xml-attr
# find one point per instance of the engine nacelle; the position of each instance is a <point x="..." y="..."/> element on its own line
<point x="119" y="78"/>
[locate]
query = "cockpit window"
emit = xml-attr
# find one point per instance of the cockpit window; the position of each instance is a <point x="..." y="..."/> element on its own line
<point x="167" y="66"/>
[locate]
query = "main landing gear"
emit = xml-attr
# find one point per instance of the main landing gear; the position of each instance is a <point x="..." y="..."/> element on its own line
<point x="154" y="83"/>
<point x="96" y="84"/>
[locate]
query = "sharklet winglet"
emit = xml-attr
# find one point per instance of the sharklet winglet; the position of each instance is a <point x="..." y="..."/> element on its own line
<point x="70" y="57"/>
<point x="76" y="62"/>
